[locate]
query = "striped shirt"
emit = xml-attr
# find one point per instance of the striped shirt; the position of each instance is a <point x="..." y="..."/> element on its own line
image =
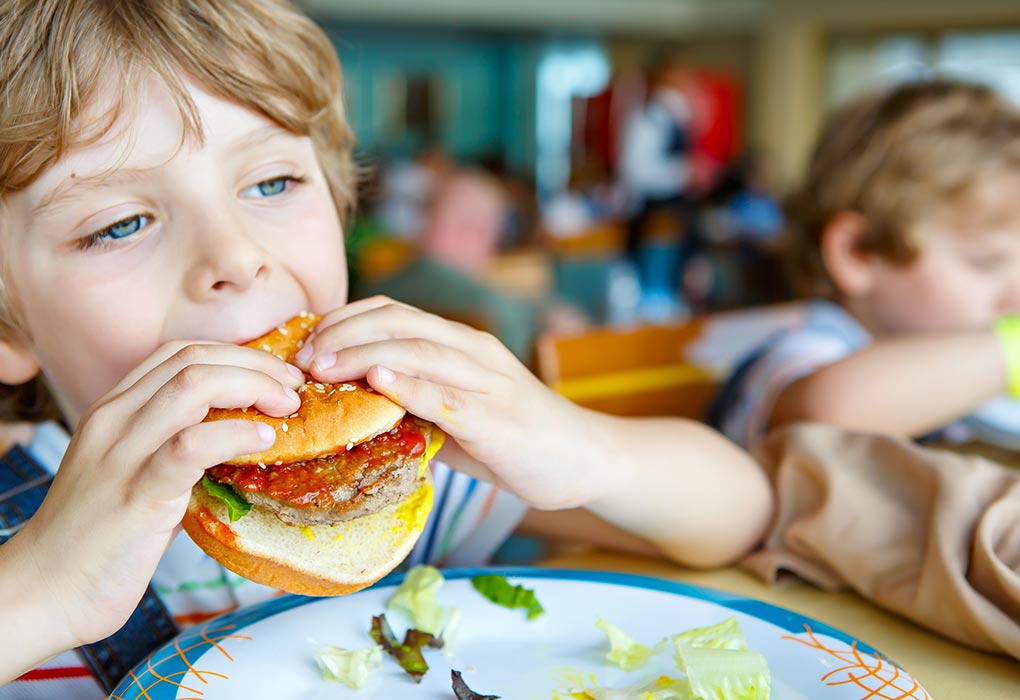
<point x="470" y="519"/>
<point x="743" y="407"/>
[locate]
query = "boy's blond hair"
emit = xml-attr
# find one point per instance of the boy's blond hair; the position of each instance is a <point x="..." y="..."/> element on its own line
<point x="894" y="156"/>
<point x="61" y="58"/>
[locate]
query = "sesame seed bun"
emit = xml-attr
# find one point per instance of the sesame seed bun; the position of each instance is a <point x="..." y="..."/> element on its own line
<point x="332" y="553"/>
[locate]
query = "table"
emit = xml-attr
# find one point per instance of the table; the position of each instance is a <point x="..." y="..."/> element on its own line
<point x="947" y="670"/>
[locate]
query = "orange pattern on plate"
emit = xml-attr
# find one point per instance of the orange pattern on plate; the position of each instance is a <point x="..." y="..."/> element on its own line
<point x="878" y="677"/>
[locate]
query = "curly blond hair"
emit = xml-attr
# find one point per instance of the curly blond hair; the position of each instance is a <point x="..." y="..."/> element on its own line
<point x="893" y="156"/>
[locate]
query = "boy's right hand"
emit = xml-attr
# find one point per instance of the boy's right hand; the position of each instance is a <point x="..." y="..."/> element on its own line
<point x="124" y="484"/>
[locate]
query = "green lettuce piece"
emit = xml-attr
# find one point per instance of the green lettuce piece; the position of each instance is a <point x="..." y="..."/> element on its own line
<point x="623" y="650"/>
<point x="724" y="635"/>
<point x="501" y="592"/>
<point x="724" y="674"/>
<point x="237" y="507"/>
<point x="350" y="666"/>
<point x="416" y="599"/>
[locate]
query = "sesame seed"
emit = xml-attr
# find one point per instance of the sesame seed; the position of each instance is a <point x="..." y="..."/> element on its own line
<point x="284" y="427"/>
<point x="277" y="462"/>
<point x="292" y="415"/>
<point x="265" y="346"/>
<point x="304" y="314"/>
<point x="300" y="344"/>
<point x="262" y="465"/>
<point x="349" y="446"/>
<point x="283" y="331"/>
<point x="320" y="387"/>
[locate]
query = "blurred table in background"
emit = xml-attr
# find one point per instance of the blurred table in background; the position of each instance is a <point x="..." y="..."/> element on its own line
<point x="948" y="671"/>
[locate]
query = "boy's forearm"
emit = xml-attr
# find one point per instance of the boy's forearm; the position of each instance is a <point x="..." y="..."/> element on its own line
<point x="681" y="486"/>
<point x="31" y="628"/>
<point x="904" y="386"/>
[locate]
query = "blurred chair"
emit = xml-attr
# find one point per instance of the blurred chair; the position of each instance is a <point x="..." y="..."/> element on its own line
<point x="656" y="370"/>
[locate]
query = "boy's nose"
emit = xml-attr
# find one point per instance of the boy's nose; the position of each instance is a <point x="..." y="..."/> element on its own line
<point x="226" y="259"/>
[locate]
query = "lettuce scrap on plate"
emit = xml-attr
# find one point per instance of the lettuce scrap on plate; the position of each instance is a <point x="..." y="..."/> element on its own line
<point x="715" y="660"/>
<point x="502" y="592"/>
<point x="416" y="599"/>
<point x="350" y="666"/>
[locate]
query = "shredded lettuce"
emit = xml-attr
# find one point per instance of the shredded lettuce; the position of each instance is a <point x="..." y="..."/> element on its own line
<point x="725" y="674"/>
<point x="350" y="666"/>
<point x="724" y="635"/>
<point x="501" y="592"/>
<point x="416" y="599"/>
<point x="237" y="507"/>
<point x="623" y="650"/>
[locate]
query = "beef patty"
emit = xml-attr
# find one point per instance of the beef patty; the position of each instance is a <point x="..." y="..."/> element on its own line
<point x="350" y="484"/>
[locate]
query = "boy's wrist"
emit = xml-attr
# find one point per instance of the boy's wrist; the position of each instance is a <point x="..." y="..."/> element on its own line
<point x="1007" y="329"/>
<point x="28" y="615"/>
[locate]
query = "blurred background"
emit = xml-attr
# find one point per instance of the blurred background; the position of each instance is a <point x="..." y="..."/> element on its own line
<point x="563" y="164"/>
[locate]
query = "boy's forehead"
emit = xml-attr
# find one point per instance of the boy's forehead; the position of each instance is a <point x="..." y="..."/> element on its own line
<point x="146" y="134"/>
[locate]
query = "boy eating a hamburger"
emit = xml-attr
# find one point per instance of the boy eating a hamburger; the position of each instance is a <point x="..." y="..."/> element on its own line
<point x="173" y="181"/>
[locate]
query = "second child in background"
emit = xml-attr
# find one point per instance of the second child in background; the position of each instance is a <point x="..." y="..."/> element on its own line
<point x="906" y="233"/>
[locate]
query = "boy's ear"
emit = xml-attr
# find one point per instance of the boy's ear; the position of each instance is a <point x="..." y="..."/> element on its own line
<point x="851" y="269"/>
<point x="17" y="363"/>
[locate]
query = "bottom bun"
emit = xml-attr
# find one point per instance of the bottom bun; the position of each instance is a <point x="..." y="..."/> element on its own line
<point x="318" y="560"/>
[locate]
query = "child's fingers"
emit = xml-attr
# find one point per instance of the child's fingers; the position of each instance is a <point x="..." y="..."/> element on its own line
<point x="416" y="357"/>
<point x="356" y="308"/>
<point x="176" y="356"/>
<point x="390" y="322"/>
<point x="440" y="403"/>
<point x="180" y="461"/>
<point x="186" y="399"/>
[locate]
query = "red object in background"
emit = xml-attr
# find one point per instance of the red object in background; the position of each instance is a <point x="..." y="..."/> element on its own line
<point x="716" y="107"/>
<point x="716" y="102"/>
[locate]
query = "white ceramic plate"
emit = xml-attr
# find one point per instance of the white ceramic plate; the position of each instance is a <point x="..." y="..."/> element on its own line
<point x="264" y="651"/>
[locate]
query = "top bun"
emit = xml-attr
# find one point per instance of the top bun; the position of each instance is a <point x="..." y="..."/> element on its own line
<point x="332" y="417"/>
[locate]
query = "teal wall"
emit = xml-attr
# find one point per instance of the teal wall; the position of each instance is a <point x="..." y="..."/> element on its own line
<point x="487" y="99"/>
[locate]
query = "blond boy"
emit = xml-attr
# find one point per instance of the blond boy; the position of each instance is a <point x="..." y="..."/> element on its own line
<point x="906" y="231"/>
<point x="173" y="179"/>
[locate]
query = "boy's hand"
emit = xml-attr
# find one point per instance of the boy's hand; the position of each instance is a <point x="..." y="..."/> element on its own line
<point x="531" y="441"/>
<point x="125" y="481"/>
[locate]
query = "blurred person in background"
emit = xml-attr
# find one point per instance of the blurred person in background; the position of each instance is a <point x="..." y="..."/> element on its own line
<point x="405" y="188"/>
<point x="656" y="174"/>
<point x="906" y="231"/>
<point x="459" y="239"/>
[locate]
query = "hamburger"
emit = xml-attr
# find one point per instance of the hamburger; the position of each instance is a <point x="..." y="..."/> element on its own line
<point x="336" y="503"/>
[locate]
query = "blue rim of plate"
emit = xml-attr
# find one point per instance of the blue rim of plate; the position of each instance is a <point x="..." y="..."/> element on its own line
<point x="144" y="682"/>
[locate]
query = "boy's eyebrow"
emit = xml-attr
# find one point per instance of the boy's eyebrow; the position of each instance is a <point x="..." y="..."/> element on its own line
<point x="76" y="186"/>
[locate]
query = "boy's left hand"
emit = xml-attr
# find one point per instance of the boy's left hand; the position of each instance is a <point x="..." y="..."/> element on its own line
<point x="531" y="441"/>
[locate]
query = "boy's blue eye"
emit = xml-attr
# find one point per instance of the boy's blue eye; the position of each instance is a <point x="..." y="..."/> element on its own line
<point x="116" y="231"/>
<point x="269" y="188"/>
<point x="123" y="229"/>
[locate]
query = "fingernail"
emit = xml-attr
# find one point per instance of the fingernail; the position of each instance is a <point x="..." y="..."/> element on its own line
<point x="296" y="372"/>
<point x="291" y="394"/>
<point x="266" y="433"/>
<point x="325" y="362"/>
<point x="304" y="354"/>
<point x="385" y="376"/>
